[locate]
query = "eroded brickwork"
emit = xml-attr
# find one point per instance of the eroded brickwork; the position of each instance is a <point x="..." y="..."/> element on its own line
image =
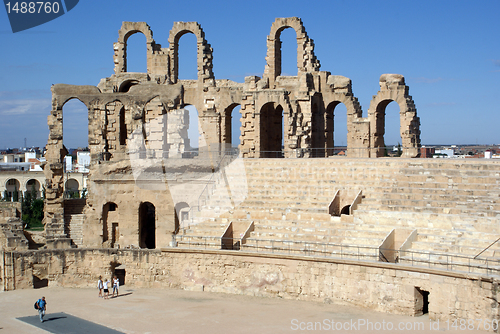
<point x="379" y="286"/>
<point x="134" y="116"/>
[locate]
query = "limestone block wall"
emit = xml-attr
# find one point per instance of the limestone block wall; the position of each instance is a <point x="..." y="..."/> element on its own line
<point x="380" y="286"/>
<point x="115" y="183"/>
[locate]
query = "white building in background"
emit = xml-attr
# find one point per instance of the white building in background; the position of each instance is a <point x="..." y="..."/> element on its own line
<point x="22" y="172"/>
<point x="83" y="162"/>
<point x="68" y="163"/>
<point x="26" y="161"/>
<point x="445" y="153"/>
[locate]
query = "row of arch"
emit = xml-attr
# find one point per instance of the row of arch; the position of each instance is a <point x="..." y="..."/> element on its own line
<point x="274" y="123"/>
<point x="166" y="60"/>
<point x="13" y="185"/>
<point x="147" y="223"/>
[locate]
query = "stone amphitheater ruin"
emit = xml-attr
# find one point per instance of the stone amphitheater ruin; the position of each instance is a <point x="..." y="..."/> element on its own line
<point x="282" y="216"/>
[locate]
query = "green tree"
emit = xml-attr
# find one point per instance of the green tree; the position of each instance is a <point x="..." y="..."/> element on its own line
<point x="32" y="209"/>
<point x="15" y="195"/>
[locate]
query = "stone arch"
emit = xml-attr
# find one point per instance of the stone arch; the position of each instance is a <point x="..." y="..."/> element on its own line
<point x="147" y="225"/>
<point x="393" y="88"/>
<point x="33" y="185"/>
<point x="126" y="84"/>
<point x="72" y="188"/>
<point x="357" y="133"/>
<point x="226" y="124"/>
<point x="120" y="47"/>
<point x="13" y="188"/>
<point x="345" y="210"/>
<point x="318" y="126"/>
<point x="181" y="215"/>
<point x="306" y="60"/>
<point x="330" y="127"/>
<point x="66" y="99"/>
<point x="205" y="52"/>
<point x="110" y="219"/>
<point x="271" y="130"/>
<point x="118" y="119"/>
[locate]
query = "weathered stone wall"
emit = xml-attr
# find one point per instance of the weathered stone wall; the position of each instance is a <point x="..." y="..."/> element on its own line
<point x="380" y="286"/>
<point x="135" y="113"/>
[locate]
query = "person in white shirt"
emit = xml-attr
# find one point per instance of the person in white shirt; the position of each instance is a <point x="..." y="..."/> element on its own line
<point x="106" y="290"/>
<point x="116" y="285"/>
<point x="100" y="286"/>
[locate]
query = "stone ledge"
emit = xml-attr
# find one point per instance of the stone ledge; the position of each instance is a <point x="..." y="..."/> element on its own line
<point x="381" y="265"/>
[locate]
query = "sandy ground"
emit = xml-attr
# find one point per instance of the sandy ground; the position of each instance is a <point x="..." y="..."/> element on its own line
<point x="177" y="311"/>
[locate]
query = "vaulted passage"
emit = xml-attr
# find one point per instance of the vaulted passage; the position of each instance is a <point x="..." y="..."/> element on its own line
<point x="147" y="218"/>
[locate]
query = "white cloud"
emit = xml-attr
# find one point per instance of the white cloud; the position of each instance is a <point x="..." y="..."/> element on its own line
<point x="23" y="107"/>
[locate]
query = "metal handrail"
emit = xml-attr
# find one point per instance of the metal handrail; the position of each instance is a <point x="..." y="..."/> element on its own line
<point x="440" y="261"/>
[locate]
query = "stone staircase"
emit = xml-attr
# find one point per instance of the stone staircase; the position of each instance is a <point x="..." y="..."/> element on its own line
<point x="73" y="220"/>
<point x="11" y="227"/>
<point x="12" y="235"/>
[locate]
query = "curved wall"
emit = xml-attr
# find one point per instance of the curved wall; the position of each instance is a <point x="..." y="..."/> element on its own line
<point x="383" y="287"/>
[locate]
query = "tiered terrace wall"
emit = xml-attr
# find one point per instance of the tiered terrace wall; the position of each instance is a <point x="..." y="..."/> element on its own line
<point x="379" y="286"/>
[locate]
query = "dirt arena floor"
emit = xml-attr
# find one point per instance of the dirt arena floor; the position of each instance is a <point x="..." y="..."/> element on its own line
<point x="178" y="311"/>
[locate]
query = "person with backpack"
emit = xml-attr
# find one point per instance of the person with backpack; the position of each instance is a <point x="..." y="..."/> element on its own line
<point x="41" y="306"/>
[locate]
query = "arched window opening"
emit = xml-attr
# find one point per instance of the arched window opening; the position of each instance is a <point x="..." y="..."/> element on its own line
<point x="340" y="128"/>
<point x="75" y="127"/>
<point x="110" y="224"/>
<point x="392" y="137"/>
<point x="125" y="86"/>
<point x="336" y="128"/>
<point x="318" y="139"/>
<point x="33" y="189"/>
<point x="287" y="55"/>
<point x="123" y="126"/>
<point x="12" y="190"/>
<point x="71" y="189"/>
<point x="147" y="226"/>
<point x="388" y="118"/>
<point x="188" y="57"/>
<point x="232" y="117"/>
<point x="235" y="126"/>
<point x="137" y="53"/>
<point x="271" y="130"/>
<point x="181" y="215"/>
<point x="345" y="210"/>
<point x="194" y="130"/>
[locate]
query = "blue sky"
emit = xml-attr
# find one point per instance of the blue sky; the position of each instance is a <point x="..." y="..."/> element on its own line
<point x="448" y="52"/>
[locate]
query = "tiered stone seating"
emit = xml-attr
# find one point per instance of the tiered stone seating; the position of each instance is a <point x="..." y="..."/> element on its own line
<point x="453" y="205"/>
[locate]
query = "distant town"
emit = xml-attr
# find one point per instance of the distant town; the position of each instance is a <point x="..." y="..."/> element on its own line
<point x="78" y="159"/>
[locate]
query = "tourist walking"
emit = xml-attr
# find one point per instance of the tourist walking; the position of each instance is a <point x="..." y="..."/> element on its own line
<point x="42" y="307"/>
<point x="100" y="286"/>
<point x="116" y="285"/>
